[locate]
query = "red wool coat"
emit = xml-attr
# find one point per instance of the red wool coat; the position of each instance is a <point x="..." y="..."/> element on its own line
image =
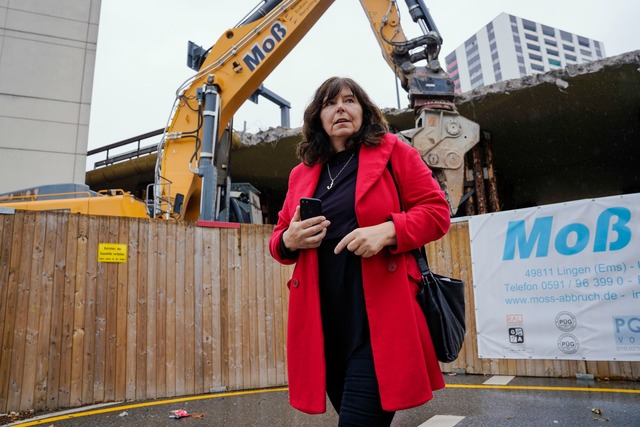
<point x="405" y="362"/>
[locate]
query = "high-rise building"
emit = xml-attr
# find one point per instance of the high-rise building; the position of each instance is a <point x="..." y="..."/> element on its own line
<point x="510" y="47"/>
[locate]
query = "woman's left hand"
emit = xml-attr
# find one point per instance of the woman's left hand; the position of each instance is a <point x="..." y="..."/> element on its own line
<point x="368" y="241"/>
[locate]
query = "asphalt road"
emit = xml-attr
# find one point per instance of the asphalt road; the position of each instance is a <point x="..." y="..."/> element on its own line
<point x="468" y="400"/>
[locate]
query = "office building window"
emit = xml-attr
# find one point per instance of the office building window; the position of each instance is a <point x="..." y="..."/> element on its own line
<point x="475" y="71"/>
<point x="550" y="43"/>
<point x="513" y="19"/>
<point x="571" y="57"/>
<point x="555" y="62"/>
<point x="470" y="43"/>
<point x="535" y="57"/>
<point x="569" y="48"/>
<point x="548" y="31"/>
<point x="528" y="25"/>
<point x="451" y="58"/>
<point x="598" y="49"/>
<point x="490" y="31"/>
<point x="477" y="83"/>
<point x="585" y="52"/>
<point x="533" y="47"/>
<point x="553" y="52"/>
<point x="582" y="41"/>
<point x="531" y="37"/>
<point x="537" y="67"/>
<point x="566" y="36"/>
<point x="523" y="70"/>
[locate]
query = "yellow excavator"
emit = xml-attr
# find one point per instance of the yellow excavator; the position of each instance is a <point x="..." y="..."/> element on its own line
<point x="192" y="179"/>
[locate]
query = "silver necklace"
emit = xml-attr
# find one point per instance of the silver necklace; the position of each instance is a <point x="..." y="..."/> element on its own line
<point x="329" y="170"/>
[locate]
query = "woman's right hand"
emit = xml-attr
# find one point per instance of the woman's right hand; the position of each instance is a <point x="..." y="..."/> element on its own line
<point x="305" y="234"/>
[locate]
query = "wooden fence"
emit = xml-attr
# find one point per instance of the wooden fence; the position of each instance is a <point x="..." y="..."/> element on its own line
<point x="192" y="310"/>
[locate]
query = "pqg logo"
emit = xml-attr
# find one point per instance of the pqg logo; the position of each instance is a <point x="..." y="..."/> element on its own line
<point x="568" y="343"/>
<point x="566" y="321"/>
<point x="627" y="329"/>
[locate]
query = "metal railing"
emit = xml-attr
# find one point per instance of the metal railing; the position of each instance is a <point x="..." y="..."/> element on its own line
<point x="128" y="155"/>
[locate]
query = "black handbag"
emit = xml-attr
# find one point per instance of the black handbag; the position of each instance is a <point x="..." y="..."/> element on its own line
<point x="441" y="299"/>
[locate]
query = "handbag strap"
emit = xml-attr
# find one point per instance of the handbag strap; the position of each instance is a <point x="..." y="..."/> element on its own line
<point x="419" y="254"/>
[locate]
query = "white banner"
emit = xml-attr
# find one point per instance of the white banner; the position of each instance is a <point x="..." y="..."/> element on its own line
<point x="559" y="281"/>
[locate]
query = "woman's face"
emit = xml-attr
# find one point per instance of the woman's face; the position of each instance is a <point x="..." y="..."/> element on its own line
<point x="341" y="117"/>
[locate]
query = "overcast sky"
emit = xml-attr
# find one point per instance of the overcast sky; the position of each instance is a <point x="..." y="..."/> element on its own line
<point x="142" y="48"/>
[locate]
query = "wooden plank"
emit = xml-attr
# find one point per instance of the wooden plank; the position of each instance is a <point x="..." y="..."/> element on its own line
<point x="89" y="377"/>
<point x="269" y="285"/>
<point x="259" y="245"/>
<point x="59" y="376"/>
<point x="45" y="309"/>
<point x="122" y="315"/>
<point x="261" y="334"/>
<point x="101" y="314"/>
<point x="180" y="340"/>
<point x="144" y="260"/>
<point x="235" y="311"/>
<point x="168" y="292"/>
<point x="248" y="325"/>
<point x="30" y="358"/>
<point x="198" y="305"/>
<point x="61" y="302"/>
<point x="7" y="303"/>
<point x="223" y="309"/>
<point x="241" y="316"/>
<point x="133" y="326"/>
<point x="635" y="366"/>
<point x="111" y="314"/>
<point x="16" y="234"/>
<point x="220" y="334"/>
<point x="165" y="294"/>
<point x="210" y="335"/>
<point x="78" y="248"/>
<point x="156" y="259"/>
<point x="282" y="274"/>
<point x="189" y="309"/>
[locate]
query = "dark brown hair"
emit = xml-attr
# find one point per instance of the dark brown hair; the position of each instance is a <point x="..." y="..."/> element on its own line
<point x="315" y="146"/>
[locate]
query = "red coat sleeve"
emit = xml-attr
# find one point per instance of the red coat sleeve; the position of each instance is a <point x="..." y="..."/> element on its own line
<point x="425" y="217"/>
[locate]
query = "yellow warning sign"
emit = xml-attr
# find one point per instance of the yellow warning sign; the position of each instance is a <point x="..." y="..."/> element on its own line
<point x="112" y="252"/>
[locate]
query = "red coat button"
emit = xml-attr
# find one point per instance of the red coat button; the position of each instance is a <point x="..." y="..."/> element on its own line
<point x="392" y="267"/>
<point x="295" y="283"/>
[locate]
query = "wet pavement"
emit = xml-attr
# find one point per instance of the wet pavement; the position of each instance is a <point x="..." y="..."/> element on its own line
<point x="468" y="400"/>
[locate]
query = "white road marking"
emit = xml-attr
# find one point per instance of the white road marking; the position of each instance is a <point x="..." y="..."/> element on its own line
<point x="499" y="380"/>
<point x="442" y="421"/>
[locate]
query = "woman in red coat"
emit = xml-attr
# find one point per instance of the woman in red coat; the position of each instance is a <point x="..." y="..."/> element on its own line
<point x="355" y="330"/>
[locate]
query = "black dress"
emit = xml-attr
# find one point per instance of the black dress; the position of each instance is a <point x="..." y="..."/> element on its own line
<point x="344" y="316"/>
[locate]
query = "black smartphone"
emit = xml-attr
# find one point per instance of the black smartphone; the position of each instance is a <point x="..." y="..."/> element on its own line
<point x="310" y="207"/>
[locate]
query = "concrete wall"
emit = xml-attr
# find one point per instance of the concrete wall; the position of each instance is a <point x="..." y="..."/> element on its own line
<point x="47" y="57"/>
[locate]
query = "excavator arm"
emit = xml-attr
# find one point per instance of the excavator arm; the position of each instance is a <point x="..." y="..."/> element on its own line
<point x="192" y="174"/>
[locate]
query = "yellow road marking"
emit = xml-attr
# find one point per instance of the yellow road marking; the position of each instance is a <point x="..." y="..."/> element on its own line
<point x="271" y="390"/>
<point x="545" y="388"/>
<point x="145" y="404"/>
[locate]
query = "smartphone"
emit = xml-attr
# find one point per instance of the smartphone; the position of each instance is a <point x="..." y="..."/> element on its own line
<point x="310" y="207"/>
